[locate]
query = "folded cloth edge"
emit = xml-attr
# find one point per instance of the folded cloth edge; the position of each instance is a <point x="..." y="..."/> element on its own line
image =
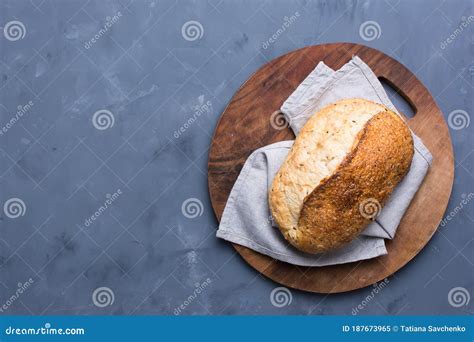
<point x="378" y="247"/>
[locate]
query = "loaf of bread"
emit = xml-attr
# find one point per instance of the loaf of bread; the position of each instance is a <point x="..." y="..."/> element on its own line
<point x="342" y="167"/>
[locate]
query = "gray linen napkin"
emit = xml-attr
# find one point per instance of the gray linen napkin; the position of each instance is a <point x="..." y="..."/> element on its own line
<point x="246" y="219"/>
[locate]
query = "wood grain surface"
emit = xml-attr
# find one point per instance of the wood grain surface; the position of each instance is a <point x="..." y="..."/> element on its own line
<point x="245" y="126"/>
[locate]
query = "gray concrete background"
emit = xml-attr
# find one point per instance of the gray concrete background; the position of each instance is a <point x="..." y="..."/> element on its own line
<point x="152" y="80"/>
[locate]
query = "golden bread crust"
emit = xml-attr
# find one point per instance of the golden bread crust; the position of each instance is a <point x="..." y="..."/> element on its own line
<point x="323" y="211"/>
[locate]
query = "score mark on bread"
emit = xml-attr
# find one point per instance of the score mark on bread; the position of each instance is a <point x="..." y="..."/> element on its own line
<point x="349" y="152"/>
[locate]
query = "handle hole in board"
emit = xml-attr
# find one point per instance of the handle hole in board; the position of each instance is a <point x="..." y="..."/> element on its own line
<point x="399" y="99"/>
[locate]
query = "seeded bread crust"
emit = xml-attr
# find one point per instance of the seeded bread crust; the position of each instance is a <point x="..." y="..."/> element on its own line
<point x="320" y="206"/>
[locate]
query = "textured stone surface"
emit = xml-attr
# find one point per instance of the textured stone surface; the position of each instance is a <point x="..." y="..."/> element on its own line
<point x="164" y="87"/>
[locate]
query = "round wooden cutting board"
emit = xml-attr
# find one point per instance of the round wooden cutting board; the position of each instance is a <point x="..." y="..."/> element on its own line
<point x="245" y="126"/>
